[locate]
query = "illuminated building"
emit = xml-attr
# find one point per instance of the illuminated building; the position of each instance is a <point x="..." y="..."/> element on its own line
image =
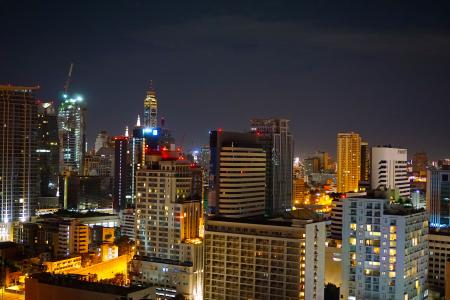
<point x="18" y="163"/>
<point x="439" y="245"/>
<point x="73" y="238"/>
<point x="365" y="163"/>
<point x="277" y="141"/>
<point x="389" y="170"/>
<point x="151" y="109"/>
<point x="168" y="212"/>
<point x="122" y="173"/>
<point x="72" y="134"/>
<point x="48" y="149"/>
<point x="63" y="266"/>
<point x="325" y="163"/>
<point x="299" y="191"/>
<point x="420" y="163"/>
<point x="238" y="175"/>
<point x="127" y="223"/>
<point x="264" y="259"/>
<point x="312" y="165"/>
<point x="348" y="161"/>
<point x="437" y="197"/>
<point x="384" y="250"/>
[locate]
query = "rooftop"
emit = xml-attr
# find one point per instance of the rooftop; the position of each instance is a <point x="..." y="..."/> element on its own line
<point x="75" y="214"/>
<point x="75" y="282"/>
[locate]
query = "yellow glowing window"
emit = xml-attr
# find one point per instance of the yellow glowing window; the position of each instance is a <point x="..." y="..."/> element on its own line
<point x="392" y="251"/>
<point x="369" y="227"/>
<point x="393" y="229"/>
<point x="352" y="241"/>
<point x="393" y="237"/>
<point x="353" y="226"/>
<point x="391" y="274"/>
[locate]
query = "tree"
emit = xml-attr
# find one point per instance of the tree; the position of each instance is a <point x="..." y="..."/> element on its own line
<point x="331" y="292"/>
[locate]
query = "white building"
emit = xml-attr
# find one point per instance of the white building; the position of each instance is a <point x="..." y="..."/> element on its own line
<point x="127" y="223"/>
<point x="267" y="259"/>
<point x="384" y="250"/>
<point x="389" y="169"/>
<point x="168" y="215"/>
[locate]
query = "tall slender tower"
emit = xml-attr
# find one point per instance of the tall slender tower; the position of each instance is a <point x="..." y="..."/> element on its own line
<point x="151" y="108"/>
<point x="72" y="133"/>
<point x="18" y="156"/>
<point x="276" y="139"/>
<point x="349" y="161"/>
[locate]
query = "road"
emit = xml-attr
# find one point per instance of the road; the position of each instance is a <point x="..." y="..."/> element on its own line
<point x="11" y="296"/>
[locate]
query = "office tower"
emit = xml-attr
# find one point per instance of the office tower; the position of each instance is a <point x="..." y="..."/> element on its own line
<point x="102" y="140"/>
<point x="365" y="163"/>
<point x="85" y="192"/>
<point x="237" y="175"/>
<point x="122" y="173"/>
<point x="168" y="212"/>
<point x="276" y="139"/>
<point x="18" y="164"/>
<point x="389" y="170"/>
<point x="72" y="134"/>
<point x="265" y="259"/>
<point x="439" y="245"/>
<point x="420" y="163"/>
<point x="299" y="190"/>
<point x="48" y="149"/>
<point x="384" y="250"/>
<point x="151" y="109"/>
<point x="349" y="162"/>
<point x="437" y="197"/>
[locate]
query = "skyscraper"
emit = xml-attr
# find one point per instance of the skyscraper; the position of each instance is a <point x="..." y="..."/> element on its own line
<point x="420" y="163"/>
<point x="122" y="174"/>
<point x="438" y="197"/>
<point x="151" y="109"/>
<point x="389" y="169"/>
<point x="237" y="175"/>
<point x="349" y="162"/>
<point x="48" y="149"/>
<point x="168" y="213"/>
<point x="365" y="162"/>
<point x="276" y="139"/>
<point x="102" y="140"/>
<point x="18" y="163"/>
<point x="72" y="133"/>
<point x="384" y="250"/>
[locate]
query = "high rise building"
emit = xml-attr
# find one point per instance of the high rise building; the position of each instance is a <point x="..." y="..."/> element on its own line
<point x="72" y="134"/>
<point x="168" y="213"/>
<point x="312" y="165"/>
<point x="266" y="259"/>
<point x="384" y="250"/>
<point x="102" y="140"/>
<point x="439" y="245"/>
<point x="325" y="163"/>
<point x="349" y="162"/>
<point x="18" y="163"/>
<point x="276" y="139"/>
<point x="48" y="149"/>
<point x="365" y="163"/>
<point x="237" y="175"/>
<point x="299" y="189"/>
<point x="151" y="109"/>
<point x="420" y="163"/>
<point x="389" y="170"/>
<point x="73" y="238"/>
<point x="122" y="174"/>
<point x="438" y="197"/>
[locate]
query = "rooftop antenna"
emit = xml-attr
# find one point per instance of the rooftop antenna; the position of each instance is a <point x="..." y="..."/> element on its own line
<point x="66" y="86"/>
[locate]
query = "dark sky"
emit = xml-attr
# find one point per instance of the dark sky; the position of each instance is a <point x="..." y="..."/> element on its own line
<point x="380" y="68"/>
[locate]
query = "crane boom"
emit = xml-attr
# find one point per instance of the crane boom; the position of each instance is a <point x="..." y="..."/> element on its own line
<point x="66" y="86"/>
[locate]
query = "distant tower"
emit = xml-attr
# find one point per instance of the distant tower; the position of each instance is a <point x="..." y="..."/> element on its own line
<point x="349" y="162"/>
<point x="151" y="108"/>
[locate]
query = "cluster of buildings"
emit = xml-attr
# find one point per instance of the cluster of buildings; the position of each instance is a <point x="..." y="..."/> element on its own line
<point x="237" y="219"/>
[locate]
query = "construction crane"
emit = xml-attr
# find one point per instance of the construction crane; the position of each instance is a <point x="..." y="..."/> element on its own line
<point x="66" y="86"/>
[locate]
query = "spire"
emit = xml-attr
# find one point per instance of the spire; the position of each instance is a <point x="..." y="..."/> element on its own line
<point x="138" y="123"/>
<point x="126" y="131"/>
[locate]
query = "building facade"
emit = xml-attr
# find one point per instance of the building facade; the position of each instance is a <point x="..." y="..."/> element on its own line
<point x="439" y="245"/>
<point x="389" y="170"/>
<point x="277" y="141"/>
<point x="271" y="259"/>
<point x="18" y="156"/>
<point x="365" y="163"/>
<point x="348" y="162"/>
<point x="384" y="250"/>
<point x="437" y="197"/>
<point x="72" y="134"/>
<point x="237" y="175"/>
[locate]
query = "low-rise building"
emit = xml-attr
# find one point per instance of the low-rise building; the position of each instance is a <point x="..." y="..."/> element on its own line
<point x="63" y="266"/>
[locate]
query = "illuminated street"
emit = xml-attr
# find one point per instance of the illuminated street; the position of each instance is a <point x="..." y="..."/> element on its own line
<point x="11" y="296"/>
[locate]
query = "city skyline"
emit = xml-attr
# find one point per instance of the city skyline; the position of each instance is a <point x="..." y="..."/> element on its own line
<point x="380" y="71"/>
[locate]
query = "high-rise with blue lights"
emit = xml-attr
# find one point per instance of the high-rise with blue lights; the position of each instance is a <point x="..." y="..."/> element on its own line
<point x="72" y="133"/>
<point x="438" y="197"/>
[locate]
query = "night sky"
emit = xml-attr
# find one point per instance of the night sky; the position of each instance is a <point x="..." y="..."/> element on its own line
<point x="378" y="68"/>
